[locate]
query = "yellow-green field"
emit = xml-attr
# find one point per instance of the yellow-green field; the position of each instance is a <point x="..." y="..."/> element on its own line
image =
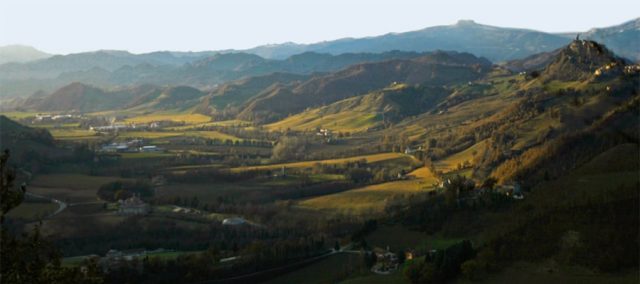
<point x="69" y="187"/>
<point x="557" y="85"/>
<point x="372" y="199"/>
<point x="529" y="132"/>
<point x="169" y="134"/>
<point x="374" y="158"/>
<point x="146" y="155"/>
<point x="72" y="134"/>
<point x="346" y="121"/>
<point x="461" y="113"/>
<point x="18" y="114"/>
<point x="57" y="125"/>
<point x="234" y="122"/>
<point x="148" y="134"/>
<point x="191" y="118"/>
<point x="450" y="163"/>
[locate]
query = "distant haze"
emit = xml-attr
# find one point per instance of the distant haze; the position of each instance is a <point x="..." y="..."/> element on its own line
<point x="70" y="26"/>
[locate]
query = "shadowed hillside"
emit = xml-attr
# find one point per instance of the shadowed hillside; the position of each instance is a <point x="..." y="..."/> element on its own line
<point x="28" y="146"/>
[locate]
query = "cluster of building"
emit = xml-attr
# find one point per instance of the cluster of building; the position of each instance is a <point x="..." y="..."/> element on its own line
<point x="612" y="68"/>
<point x="40" y="118"/>
<point x="386" y="262"/>
<point x="410" y="151"/>
<point x="115" y="259"/>
<point x="117" y="126"/>
<point x="132" y="146"/>
<point x="184" y="210"/>
<point x="121" y="126"/>
<point x="234" y="221"/>
<point x="514" y="190"/>
<point x="632" y="69"/>
<point x="324" y="132"/>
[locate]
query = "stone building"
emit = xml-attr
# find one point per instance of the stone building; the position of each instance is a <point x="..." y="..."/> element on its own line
<point x="133" y="206"/>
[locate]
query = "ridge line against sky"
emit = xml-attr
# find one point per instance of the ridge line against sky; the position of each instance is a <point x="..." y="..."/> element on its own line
<point x="72" y="26"/>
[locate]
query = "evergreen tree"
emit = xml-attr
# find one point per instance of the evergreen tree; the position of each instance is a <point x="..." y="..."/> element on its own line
<point x="29" y="258"/>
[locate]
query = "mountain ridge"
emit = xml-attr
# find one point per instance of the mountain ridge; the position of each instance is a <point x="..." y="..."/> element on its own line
<point x="506" y="52"/>
<point x="21" y="53"/>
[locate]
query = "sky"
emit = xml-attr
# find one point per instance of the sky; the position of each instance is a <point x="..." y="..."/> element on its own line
<point x="70" y="26"/>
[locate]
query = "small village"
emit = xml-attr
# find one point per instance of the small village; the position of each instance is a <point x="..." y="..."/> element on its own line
<point x="131" y="146"/>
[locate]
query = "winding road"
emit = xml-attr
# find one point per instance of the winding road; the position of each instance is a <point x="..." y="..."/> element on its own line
<point x="61" y="204"/>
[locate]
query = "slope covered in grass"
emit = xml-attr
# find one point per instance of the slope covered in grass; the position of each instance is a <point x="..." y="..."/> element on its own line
<point x="372" y="199"/>
<point x="361" y="113"/>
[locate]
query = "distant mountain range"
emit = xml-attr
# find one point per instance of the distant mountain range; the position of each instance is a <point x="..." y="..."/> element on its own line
<point x="623" y="40"/>
<point x="267" y="97"/>
<point x="495" y="43"/>
<point x="20" y="53"/>
<point x="519" y="49"/>
<point x="449" y="96"/>
<point x="114" y="69"/>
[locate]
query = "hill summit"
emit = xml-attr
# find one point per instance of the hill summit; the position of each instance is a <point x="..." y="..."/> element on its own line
<point x="580" y="60"/>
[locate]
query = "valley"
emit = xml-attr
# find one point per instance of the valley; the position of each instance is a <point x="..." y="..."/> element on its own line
<point x="376" y="165"/>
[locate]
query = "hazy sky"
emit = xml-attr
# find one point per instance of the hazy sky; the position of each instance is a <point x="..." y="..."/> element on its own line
<point x="66" y="26"/>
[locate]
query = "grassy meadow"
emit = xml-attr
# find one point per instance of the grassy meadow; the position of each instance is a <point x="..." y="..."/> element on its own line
<point x="451" y="163"/>
<point x="69" y="187"/>
<point x="346" y="121"/>
<point x="32" y="211"/>
<point x="327" y="270"/>
<point x="176" y="117"/>
<point x="233" y="122"/>
<point x="177" y="134"/>
<point x="71" y="134"/>
<point x="374" y="158"/>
